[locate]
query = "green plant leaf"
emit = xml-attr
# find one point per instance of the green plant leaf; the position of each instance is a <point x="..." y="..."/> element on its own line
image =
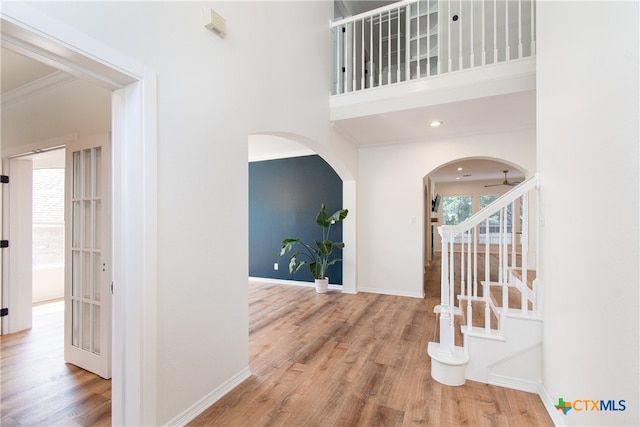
<point x="294" y="265"/>
<point x="324" y="248"/>
<point x="324" y="220"/>
<point x="317" y="257"/>
<point x="287" y="245"/>
<point x="316" y="270"/>
<point x="333" y="261"/>
<point x="338" y="215"/>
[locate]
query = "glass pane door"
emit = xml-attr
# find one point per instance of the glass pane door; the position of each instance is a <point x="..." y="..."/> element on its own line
<point x="88" y="295"/>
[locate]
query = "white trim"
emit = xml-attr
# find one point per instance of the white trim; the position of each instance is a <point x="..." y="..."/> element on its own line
<point x="393" y="292"/>
<point x="149" y="300"/>
<point x="209" y="399"/>
<point x="37" y="146"/>
<point x="349" y="237"/>
<point x="550" y="407"/>
<point x="290" y="282"/>
<point x="513" y="383"/>
<point x="30" y="32"/>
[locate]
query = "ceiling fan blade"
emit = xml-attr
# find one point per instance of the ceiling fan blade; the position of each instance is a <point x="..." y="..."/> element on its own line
<point x="505" y="182"/>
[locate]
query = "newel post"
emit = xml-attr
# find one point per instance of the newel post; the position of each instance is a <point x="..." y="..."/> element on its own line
<point x="446" y="316"/>
<point x="448" y="362"/>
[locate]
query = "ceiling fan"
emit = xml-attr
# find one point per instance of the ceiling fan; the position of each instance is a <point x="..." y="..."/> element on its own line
<point x="505" y="182"/>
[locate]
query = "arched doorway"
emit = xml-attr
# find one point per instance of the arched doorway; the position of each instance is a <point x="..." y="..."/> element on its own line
<point x="453" y="192"/>
<point x="279" y="145"/>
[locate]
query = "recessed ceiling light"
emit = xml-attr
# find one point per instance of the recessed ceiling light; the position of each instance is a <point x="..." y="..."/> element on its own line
<point x="435" y="123"/>
<point x="459" y="169"/>
<point x="457" y="177"/>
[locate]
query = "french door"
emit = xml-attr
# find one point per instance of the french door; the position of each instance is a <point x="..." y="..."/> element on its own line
<point x="88" y="255"/>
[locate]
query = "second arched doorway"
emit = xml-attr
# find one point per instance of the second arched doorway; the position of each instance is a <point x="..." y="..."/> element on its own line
<point x="452" y="193"/>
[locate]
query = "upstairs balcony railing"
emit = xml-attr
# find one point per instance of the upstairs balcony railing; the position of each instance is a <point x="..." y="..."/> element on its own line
<point x="415" y="39"/>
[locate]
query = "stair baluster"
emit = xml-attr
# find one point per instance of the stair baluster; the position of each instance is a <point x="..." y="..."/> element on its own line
<point x="487" y="277"/>
<point x="525" y="253"/>
<point x="449" y="360"/>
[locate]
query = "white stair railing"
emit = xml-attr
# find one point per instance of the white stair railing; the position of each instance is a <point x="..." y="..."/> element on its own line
<point x="467" y="243"/>
<point x="414" y="39"/>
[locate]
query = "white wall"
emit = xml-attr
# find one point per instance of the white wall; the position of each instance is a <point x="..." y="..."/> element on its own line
<point x="588" y="133"/>
<point x="48" y="283"/>
<point x="390" y="198"/>
<point x="213" y="93"/>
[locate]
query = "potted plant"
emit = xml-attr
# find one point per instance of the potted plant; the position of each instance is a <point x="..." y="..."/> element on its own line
<point x="317" y="256"/>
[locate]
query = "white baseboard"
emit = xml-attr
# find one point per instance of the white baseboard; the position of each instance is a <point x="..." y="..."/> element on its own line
<point x="514" y="383"/>
<point x="393" y="292"/>
<point x="290" y="282"/>
<point x="209" y="399"/>
<point x="339" y="287"/>
<point x="549" y="405"/>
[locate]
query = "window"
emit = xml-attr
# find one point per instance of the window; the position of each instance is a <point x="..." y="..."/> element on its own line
<point x="48" y="218"/>
<point x="456" y="209"/>
<point x="494" y="221"/>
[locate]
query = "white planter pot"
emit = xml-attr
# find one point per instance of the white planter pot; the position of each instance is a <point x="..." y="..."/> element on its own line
<point x="322" y="285"/>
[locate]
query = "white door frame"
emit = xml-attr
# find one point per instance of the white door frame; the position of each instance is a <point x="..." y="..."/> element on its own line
<point x="134" y="209"/>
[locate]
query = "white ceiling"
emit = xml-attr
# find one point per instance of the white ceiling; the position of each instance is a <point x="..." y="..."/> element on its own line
<point x="476" y="116"/>
<point x="476" y="170"/>
<point x="355" y="7"/>
<point x="17" y="70"/>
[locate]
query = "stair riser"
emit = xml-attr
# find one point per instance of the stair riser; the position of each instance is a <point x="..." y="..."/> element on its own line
<point x="516" y="357"/>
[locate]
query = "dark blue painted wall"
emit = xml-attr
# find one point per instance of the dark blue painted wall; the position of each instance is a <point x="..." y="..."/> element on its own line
<point x="285" y="196"/>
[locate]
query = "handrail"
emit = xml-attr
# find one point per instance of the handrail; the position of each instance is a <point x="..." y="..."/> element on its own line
<point x="492" y="208"/>
<point x="462" y="282"/>
<point x="414" y="39"/>
<point x="369" y="13"/>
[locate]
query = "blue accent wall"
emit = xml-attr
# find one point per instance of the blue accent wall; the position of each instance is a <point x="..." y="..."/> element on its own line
<point x="285" y="196"/>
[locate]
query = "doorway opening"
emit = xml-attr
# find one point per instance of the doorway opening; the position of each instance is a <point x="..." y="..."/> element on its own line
<point x="453" y="192"/>
<point x="133" y="127"/>
<point x="48" y="235"/>
<point x="332" y="177"/>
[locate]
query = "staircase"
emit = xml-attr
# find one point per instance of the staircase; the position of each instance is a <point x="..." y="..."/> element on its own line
<point x="490" y="326"/>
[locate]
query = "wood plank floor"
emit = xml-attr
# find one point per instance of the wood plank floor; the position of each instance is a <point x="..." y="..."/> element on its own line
<point x="355" y="360"/>
<point x="317" y="360"/>
<point x="38" y="388"/>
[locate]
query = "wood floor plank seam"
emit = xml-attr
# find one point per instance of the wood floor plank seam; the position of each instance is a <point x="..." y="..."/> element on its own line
<point x="316" y="360"/>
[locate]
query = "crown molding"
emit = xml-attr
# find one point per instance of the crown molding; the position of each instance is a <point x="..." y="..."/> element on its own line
<point x="48" y="82"/>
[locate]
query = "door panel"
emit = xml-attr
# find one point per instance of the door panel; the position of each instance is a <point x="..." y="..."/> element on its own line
<point x="17" y="258"/>
<point x="87" y="267"/>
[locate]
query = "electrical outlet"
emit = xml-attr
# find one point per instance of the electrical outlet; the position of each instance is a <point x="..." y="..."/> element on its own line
<point x="275" y="265"/>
